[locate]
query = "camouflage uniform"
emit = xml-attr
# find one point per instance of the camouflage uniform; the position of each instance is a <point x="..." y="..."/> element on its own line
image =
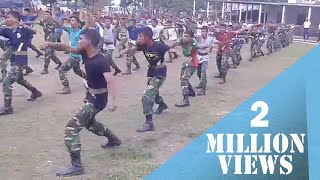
<point x="187" y="70"/>
<point x="71" y="63"/>
<point x="131" y="59"/>
<point x="49" y="35"/>
<point x="122" y="36"/>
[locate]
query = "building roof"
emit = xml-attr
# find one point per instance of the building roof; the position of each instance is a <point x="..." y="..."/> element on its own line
<point x="277" y="3"/>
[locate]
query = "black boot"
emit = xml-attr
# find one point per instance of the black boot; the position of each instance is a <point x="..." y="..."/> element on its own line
<point x="58" y="66"/>
<point x="74" y="169"/>
<point x="28" y="71"/>
<point x="44" y="71"/>
<point x="192" y="93"/>
<point x="35" y="95"/>
<point x="148" y="125"/>
<point x="113" y="140"/>
<point x="7" y="109"/>
<point x="161" y="108"/>
<point x="185" y="102"/>
<point x="117" y="71"/>
<point x="39" y="54"/>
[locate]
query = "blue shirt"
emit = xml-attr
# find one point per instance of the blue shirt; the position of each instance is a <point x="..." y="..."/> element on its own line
<point x="19" y="41"/>
<point x="59" y="18"/>
<point x="29" y="20"/>
<point x="134" y="32"/>
<point x="74" y="37"/>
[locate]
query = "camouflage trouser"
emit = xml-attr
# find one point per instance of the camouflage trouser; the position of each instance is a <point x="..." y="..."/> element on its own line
<point x="71" y="63"/>
<point x="202" y="74"/>
<point x="84" y="118"/>
<point x="15" y="74"/>
<point x="151" y="94"/>
<point x="122" y="45"/>
<point x="187" y="71"/>
<point x="222" y="65"/>
<point x="109" y="52"/>
<point x="131" y="59"/>
<point x="49" y="54"/>
<point x="4" y="58"/>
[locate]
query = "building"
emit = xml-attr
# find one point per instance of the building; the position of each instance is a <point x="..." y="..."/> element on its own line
<point x="277" y="11"/>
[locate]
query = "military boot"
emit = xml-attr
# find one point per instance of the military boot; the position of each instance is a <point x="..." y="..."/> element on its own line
<point x="7" y="108"/>
<point x="113" y="140"/>
<point x="65" y="90"/>
<point x="192" y="93"/>
<point x="116" y="72"/>
<point x="162" y="106"/>
<point x="201" y="92"/>
<point x="28" y="71"/>
<point x="74" y="169"/>
<point x="35" y="95"/>
<point x="185" y="102"/>
<point x="58" y="66"/>
<point x="44" y="71"/>
<point x="148" y="125"/>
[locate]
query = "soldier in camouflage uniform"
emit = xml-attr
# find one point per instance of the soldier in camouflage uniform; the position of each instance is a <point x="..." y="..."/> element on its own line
<point x="122" y="35"/>
<point x="133" y="31"/>
<point x="19" y="38"/>
<point x="99" y="82"/>
<point x="189" y="48"/>
<point x="157" y="73"/>
<point x="49" y="25"/>
<point x="6" y="56"/>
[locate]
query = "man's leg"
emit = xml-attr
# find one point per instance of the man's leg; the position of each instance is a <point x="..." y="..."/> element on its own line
<point x="8" y="81"/>
<point x="48" y="55"/>
<point x="112" y="63"/>
<point x="203" y="78"/>
<point x="84" y="118"/>
<point x="3" y="63"/>
<point x="63" y="70"/>
<point x="185" y="85"/>
<point x="35" y="94"/>
<point x="148" y="100"/>
<point x="218" y="62"/>
<point x="224" y="69"/>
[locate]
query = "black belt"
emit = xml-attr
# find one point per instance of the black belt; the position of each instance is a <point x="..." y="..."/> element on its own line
<point x="202" y="54"/>
<point x="108" y="43"/>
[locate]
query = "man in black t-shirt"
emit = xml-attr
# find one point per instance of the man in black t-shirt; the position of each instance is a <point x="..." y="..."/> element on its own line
<point x="100" y="82"/>
<point x="157" y="73"/>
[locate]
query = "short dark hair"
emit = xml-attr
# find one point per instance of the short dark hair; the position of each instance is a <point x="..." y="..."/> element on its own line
<point x="190" y="33"/>
<point x="76" y="18"/>
<point x="27" y="9"/>
<point x="205" y="28"/>
<point x="15" y="14"/>
<point x="49" y="12"/>
<point x="93" y="36"/>
<point x="147" y="32"/>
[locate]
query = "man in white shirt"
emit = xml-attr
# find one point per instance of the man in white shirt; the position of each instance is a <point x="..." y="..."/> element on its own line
<point x="157" y="30"/>
<point x="306" y="27"/>
<point x="200" y="24"/>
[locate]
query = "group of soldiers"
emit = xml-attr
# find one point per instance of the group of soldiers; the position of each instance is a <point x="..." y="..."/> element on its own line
<point x="127" y="36"/>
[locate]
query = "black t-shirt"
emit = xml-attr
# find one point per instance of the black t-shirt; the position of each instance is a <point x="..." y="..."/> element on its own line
<point x="155" y="54"/>
<point x="95" y="67"/>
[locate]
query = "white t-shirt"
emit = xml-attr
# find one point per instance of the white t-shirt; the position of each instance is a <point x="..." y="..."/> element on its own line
<point x="172" y="34"/>
<point x="156" y="31"/>
<point x="199" y="26"/>
<point x="306" y="25"/>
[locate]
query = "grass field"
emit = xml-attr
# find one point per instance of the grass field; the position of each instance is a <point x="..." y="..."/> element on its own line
<point x="31" y="143"/>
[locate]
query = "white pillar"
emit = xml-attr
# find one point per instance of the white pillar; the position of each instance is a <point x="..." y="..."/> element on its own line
<point x="222" y="11"/>
<point x="194" y="8"/>
<point x="283" y="14"/>
<point x="240" y="12"/>
<point x="247" y="13"/>
<point x="309" y="14"/>
<point x="208" y="9"/>
<point x="260" y="13"/>
<point x="231" y="5"/>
